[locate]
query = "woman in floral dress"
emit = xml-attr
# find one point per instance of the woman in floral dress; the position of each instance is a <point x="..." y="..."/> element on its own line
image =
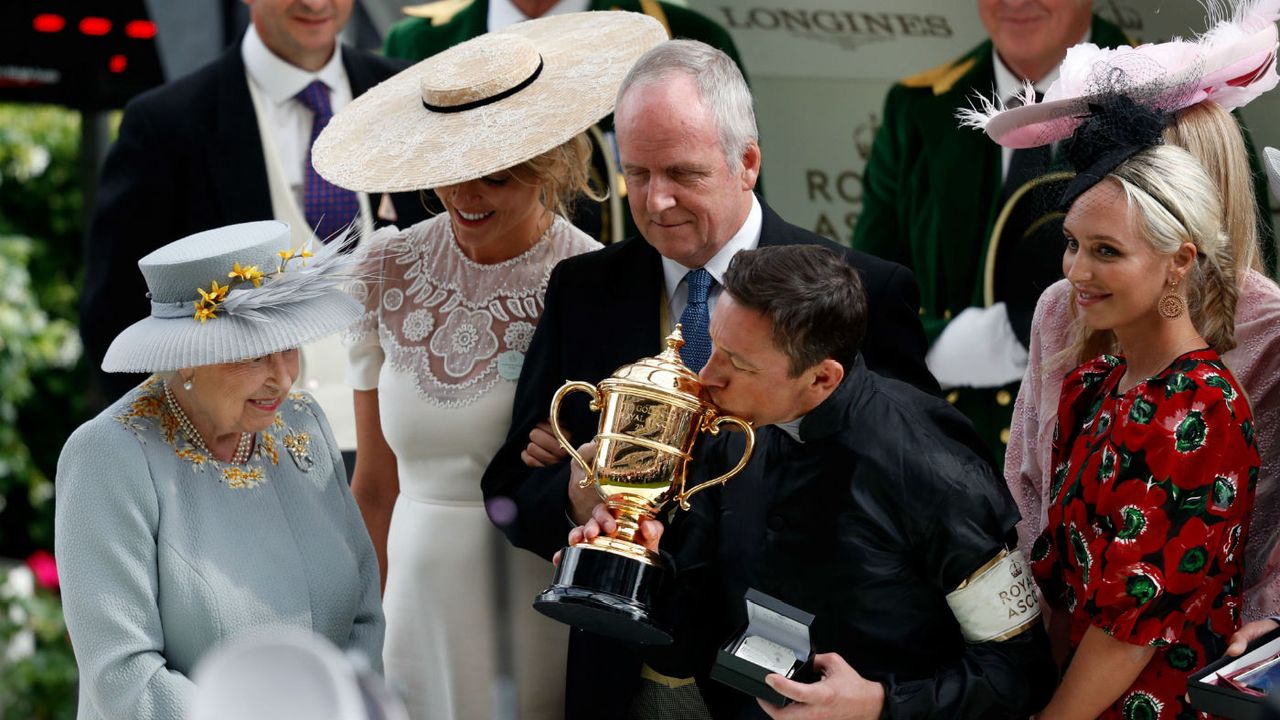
<point x="1154" y="462"/>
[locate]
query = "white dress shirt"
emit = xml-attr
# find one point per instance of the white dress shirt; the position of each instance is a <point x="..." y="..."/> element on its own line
<point x="278" y="82"/>
<point x="1009" y="85"/>
<point x="747" y="238"/>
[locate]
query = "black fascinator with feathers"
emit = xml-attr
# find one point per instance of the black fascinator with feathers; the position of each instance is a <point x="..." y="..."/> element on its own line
<point x="1115" y="129"/>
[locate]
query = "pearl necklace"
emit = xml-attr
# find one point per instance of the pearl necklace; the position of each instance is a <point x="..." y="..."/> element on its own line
<point x="241" y="455"/>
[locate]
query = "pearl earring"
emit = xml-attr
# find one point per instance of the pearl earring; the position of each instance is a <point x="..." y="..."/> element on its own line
<point x="187" y="385"/>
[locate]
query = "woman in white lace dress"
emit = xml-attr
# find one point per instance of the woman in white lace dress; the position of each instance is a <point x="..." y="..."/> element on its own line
<point x="434" y="362"/>
<point x="450" y="307"/>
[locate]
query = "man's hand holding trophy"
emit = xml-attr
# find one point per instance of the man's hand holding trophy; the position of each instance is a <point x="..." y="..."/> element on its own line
<point x="652" y="413"/>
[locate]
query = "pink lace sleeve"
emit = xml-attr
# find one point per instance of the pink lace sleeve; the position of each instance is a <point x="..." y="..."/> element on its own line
<point x="1256" y="364"/>
<point x="1031" y="433"/>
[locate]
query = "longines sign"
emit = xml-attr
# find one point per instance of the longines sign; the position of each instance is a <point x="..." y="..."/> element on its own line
<point x="820" y="70"/>
<point x="848" y="29"/>
<point x="857" y="40"/>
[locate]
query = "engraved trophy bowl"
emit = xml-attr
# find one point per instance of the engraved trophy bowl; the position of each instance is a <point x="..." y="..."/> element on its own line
<point x="652" y="413"/>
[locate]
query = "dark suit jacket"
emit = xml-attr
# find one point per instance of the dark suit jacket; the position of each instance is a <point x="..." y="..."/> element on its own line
<point x="887" y="506"/>
<point x="188" y="158"/>
<point x="603" y="310"/>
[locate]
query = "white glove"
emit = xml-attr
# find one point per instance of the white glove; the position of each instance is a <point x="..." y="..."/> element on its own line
<point x="978" y="349"/>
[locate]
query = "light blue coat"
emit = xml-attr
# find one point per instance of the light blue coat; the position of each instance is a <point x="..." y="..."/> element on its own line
<point x="163" y="552"/>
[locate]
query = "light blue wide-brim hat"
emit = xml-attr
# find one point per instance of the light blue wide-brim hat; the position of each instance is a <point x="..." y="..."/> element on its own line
<point x="288" y="309"/>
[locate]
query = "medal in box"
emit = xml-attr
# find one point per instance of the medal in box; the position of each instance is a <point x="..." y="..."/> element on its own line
<point x="775" y="640"/>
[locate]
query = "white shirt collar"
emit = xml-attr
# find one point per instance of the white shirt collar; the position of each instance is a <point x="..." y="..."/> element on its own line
<point x="1008" y="84"/>
<point x="503" y="13"/>
<point x="792" y="428"/>
<point x="747" y="237"/>
<point x="281" y="80"/>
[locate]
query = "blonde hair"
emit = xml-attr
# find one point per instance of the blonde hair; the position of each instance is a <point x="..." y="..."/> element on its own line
<point x="1213" y="136"/>
<point x="1175" y="202"/>
<point x="561" y="174"/>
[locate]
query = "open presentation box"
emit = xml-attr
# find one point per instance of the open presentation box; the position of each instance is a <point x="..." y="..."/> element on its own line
<point x="1212" y="694"/>
<point x="775" y="640"/>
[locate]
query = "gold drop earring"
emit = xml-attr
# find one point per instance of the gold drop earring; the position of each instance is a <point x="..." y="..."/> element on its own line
<point x="1171" y="304"/>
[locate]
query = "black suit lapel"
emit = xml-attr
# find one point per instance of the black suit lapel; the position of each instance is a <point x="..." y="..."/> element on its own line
<point x="638" y="292"/>
<point x="234" y="150"/>
<point x="773" y="229"/>
<point x="360" y="74"/>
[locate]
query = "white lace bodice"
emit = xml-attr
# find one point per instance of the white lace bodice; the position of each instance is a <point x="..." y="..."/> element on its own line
<point x="456" y="326"/>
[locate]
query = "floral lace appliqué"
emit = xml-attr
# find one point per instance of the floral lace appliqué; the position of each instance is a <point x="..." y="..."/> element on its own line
<point x="446" y="320"/>
<point x="465" y="339"/>
<point x="148" y="415"/>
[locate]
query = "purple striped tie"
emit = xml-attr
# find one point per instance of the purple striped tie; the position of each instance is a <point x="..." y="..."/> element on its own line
<point x="329" y="208"/>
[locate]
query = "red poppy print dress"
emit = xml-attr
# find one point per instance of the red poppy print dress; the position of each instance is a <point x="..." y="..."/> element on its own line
<point x="1151" y="494"/>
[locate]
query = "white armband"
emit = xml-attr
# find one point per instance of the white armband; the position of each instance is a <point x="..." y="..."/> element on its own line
<point x="996" y="602"/>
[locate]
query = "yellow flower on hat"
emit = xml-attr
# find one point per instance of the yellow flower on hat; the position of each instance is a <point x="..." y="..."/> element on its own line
<point x="215" y="294"/>
<point x="249" y="273"/>
<point x="204" y="312"/>
<point x="211" y="300"/>
<point x="287" y="255"/>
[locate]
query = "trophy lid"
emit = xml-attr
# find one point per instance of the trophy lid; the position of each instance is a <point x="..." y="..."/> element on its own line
<point x="665" y="373"/>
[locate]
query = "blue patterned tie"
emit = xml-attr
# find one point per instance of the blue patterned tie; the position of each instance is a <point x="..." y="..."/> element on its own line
<point x="695" y="319"/>
<point x="329" y="208"/>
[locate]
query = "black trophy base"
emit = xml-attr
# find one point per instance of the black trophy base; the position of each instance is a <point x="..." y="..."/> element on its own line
<point x="607" y="593"/>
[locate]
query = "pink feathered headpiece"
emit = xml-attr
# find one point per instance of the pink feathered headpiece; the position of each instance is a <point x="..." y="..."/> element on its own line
<point x="1231" y="64"/>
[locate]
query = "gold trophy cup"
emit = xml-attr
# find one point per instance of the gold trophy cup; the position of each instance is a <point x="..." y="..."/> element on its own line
<point x="651" y="414"/>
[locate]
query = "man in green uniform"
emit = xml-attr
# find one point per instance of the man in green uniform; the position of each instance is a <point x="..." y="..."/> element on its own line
<point x="933" y="191"/>
<point x="440" y="25"/>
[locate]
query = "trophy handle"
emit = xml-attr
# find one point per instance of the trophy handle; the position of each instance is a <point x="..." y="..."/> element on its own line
<point x="714" y="429"/>
<point x="555" y="424"/>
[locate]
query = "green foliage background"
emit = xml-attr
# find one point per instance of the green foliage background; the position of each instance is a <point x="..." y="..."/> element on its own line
<point x="43" y="384"/>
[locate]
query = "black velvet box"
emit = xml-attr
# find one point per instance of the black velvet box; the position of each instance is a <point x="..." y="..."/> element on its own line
<point x="1212" y="695"/>
<point x="776" y="639"/>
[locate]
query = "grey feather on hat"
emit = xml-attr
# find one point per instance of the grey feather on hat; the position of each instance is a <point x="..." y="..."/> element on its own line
<point x="259" y="296"/>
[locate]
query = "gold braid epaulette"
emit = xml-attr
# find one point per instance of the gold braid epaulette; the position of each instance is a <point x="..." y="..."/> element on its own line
<point x="439" y="12"/>
<point x="940" y="78"/>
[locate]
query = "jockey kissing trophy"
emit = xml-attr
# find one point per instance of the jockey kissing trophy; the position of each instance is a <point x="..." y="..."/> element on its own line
<point x="651" y="414"/>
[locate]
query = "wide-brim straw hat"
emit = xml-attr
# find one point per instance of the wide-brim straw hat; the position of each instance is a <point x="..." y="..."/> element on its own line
<point x="283" y="310"/>
<point x="1231" y="64"/>
<point x="484" y="105"/>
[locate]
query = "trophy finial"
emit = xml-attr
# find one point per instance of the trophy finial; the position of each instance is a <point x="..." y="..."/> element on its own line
<point x="674" y="342"/>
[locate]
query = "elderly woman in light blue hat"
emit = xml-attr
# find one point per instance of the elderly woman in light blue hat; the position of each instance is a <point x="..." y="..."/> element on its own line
<point x="210" y="502"/>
